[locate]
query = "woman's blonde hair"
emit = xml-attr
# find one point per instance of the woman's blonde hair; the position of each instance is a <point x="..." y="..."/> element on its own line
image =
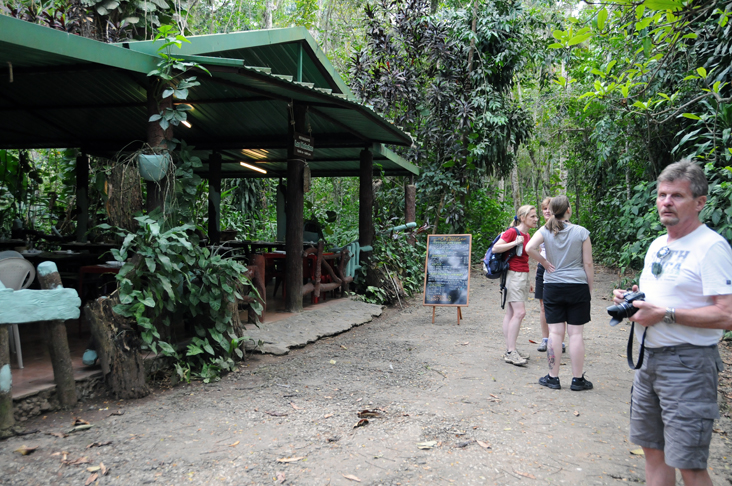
<point x="558" y="207"/>
<point x="545" y="203"/>
<point x="522" y="212"/>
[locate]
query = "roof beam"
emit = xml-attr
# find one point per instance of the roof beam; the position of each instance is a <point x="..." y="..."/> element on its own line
<point x="132" y="104"/>
<point x="250" y="174"/>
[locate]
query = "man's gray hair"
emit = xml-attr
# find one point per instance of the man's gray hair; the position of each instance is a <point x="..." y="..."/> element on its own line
<point x="685" y="169"/>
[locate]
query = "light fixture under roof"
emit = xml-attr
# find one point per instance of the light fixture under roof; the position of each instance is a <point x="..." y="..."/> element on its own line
<point x="244" y="164"/>
<point x="186" y="123"/>
<point x="256" y="154"/>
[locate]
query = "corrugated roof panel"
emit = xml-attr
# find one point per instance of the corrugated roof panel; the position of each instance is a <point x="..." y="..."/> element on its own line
<point x="75" y="99"/>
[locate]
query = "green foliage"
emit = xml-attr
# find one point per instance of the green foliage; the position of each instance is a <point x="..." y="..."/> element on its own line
<point x="717" y="213"/>
<point x="171" y="71"/>
<point x="171" y="278"/>
<point x="393" y="262"/>
<point x="448" y="85"/>
<point x="104" y="20"/>
<point x="643" y="85"/>
<point x="487" y="218"/>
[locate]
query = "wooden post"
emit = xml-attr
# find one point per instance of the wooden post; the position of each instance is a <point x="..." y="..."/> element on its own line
<point x="58" y="344"/>
<point x="410" y="208"/>
<point x="82" y="197"/>
<point x="7" y="420"/>
<point x="214" y="198"/>
<point x="366" y="202"/>
<point x="294" y="215"/>
<point x="255" y="272"/>
<point x="155" y="139"/>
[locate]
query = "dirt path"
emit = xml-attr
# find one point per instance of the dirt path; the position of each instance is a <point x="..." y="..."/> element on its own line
<point x="490" y="422"/>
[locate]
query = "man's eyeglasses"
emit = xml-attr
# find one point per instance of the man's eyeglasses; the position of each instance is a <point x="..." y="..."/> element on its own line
<point x="657" y="267"/>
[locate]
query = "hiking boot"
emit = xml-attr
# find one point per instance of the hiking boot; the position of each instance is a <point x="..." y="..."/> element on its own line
<point x="514" y="358"/>
<point x="542" y="346"/>
<point x="550" y="382"/>
<point x="579" y="384"/>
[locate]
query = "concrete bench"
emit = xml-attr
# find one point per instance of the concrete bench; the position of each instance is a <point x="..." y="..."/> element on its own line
<point x="52" y="305"/>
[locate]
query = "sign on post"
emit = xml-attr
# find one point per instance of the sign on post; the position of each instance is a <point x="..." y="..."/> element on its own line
<point x="447" y="272"/>
<point x="303" y="146"/>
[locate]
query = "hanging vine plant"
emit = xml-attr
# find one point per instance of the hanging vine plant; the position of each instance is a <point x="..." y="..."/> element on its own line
<point x="174" y="82"/>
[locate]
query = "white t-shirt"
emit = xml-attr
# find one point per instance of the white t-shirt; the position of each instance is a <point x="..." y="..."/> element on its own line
<point x="698" y="268"/>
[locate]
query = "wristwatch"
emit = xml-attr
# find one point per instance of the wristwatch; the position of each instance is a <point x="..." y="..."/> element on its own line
<point x="670" y="317"/>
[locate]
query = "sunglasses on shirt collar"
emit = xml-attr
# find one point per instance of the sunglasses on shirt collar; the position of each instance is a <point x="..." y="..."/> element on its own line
<point x="657" y="266"/>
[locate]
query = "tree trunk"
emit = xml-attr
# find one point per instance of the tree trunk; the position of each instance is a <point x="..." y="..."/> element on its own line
<point x="515" y="189"/>
<point x="118" y="348"/>
<point x="124" y="196"/>
<point x="82" y="197"/>
<point x="7" y="420"/>
<point x="268" y="8"/>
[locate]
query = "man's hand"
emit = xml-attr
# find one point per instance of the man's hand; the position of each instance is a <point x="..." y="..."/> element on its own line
<point x="618" y="294"/>
<point x="647" y="314"/>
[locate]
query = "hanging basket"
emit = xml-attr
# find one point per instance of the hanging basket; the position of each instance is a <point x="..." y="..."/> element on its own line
<point x="153" y="167"/>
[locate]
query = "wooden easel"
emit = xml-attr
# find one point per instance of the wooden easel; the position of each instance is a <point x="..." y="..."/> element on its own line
<point x="459" y="314"/>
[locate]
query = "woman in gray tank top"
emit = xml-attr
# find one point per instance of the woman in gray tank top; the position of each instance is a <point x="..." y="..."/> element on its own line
<point x="568" y="285"/>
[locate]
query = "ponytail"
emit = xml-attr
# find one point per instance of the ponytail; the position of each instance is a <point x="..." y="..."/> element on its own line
<point x="558" y="207"/>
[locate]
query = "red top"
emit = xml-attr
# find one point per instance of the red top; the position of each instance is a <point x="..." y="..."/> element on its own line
<point x="517" y="263"/>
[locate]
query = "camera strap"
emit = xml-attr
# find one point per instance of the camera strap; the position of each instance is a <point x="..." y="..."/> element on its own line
<point x="504" y="290"/>
<point x="629" y="350"/>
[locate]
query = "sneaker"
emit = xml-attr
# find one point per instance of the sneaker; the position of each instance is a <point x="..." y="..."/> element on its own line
<point x="514" y="358"/>
<point x="550" y="382"/>
<point x="579" y="384"/>
<point x="542" y="346"/>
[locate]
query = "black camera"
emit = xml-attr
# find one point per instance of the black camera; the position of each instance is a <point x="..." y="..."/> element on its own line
<point x="625" y="309"/>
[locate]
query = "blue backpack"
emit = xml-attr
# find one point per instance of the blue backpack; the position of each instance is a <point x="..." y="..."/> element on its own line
<point x="495" y="265"/>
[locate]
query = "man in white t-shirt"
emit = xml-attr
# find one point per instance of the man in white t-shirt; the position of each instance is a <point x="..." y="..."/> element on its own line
<point x="687" y="279"/>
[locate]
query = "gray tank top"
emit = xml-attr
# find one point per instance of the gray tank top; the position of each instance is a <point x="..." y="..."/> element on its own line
<point x="564" y="251"/>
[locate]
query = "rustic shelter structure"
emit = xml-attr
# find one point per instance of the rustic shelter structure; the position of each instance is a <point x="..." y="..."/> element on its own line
<point x="266" y="88"/>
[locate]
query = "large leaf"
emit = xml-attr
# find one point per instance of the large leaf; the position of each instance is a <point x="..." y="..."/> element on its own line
<point x="601" y="18"/>
<point x="663" y="4"/>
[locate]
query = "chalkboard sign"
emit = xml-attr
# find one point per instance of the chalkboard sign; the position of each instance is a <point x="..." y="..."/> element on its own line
<point x="447" y="270"/>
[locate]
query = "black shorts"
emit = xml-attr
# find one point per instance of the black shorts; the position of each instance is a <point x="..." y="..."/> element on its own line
<point x="568" y="303"/>
<point x="539" y="286"/>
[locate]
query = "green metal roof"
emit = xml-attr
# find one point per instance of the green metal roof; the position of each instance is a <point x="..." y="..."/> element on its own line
<point x="68" y="91"/>
<point x="290" y="51"/>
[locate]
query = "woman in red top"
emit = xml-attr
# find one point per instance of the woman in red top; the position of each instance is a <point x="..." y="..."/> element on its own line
<point x="517" y="282"/>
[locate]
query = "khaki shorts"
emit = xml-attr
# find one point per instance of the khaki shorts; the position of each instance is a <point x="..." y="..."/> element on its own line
<point x="517" y="285"/>
<point x="674" y="403"/>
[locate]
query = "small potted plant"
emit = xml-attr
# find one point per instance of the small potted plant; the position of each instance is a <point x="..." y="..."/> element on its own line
<point x="153" y="166"/>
